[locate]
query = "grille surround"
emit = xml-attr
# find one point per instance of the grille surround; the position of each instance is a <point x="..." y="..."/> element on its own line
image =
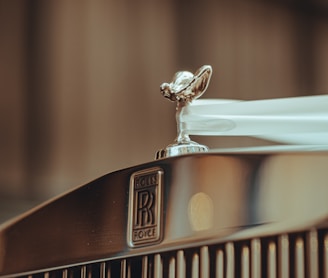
<point x="298" y="254"/>
<point x="253" y="199"/>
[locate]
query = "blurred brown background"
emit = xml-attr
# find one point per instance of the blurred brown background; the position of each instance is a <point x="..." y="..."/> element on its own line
<point x="79" y="80"/>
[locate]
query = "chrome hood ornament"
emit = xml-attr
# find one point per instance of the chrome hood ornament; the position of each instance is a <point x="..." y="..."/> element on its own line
<point x="184" y="88"/>
<point x="293" y="120"/>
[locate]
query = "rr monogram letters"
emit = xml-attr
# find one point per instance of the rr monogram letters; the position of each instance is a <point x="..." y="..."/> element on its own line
<point x="145" y="207"/>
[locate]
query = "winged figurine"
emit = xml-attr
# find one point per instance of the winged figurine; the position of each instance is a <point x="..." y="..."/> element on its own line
<point x="186" y="86"/>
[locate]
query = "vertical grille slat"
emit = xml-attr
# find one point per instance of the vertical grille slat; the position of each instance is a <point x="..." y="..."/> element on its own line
<point x="245" y="261"/>
<point x="283" y="256"/>
<point x="256" y="258"/>
<point x="65" y="273"/>
<point x="299" y="257"/>
<point x="103" y="271"/>
<point x="272" y="260"/>
<point x="312" y="254"/>
<point x="172" y="266"/>
<point x="144" y="270"/>
<point x="158" y="266"/>
<point x="128" y="274"/>
<point x="195" y="266"/>
<point x="204" y="262"/>
<point x="219" y="265"/>
<point x="181" y="264"/>
<point x="230" y="260"/>
<point x="325" y="255"/>
<point x="123" y="269"/>
<point x="83" y="272"/>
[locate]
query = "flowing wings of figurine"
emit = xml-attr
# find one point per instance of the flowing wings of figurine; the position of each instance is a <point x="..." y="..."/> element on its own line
<point x="187" y="86"/>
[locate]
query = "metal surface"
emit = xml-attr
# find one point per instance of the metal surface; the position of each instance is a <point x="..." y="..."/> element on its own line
<point x="264" y="212"/>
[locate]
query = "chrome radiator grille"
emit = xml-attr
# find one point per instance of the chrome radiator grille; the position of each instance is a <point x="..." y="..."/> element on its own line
<point x="303" y="254"/>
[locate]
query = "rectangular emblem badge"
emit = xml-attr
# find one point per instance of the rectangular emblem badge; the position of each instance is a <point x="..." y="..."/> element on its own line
<point x="145" y="207"/>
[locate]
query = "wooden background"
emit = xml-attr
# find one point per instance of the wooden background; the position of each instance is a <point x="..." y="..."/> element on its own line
<point x="79" y="80"/>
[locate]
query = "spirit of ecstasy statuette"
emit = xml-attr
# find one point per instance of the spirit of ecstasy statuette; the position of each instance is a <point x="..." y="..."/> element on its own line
<point x="184" y="88"/>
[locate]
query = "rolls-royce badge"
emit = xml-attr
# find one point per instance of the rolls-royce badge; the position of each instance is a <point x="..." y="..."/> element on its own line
<point x="145" y="207"/>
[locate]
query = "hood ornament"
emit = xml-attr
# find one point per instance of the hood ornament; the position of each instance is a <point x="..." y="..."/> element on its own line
<point x="184" y="88"/>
